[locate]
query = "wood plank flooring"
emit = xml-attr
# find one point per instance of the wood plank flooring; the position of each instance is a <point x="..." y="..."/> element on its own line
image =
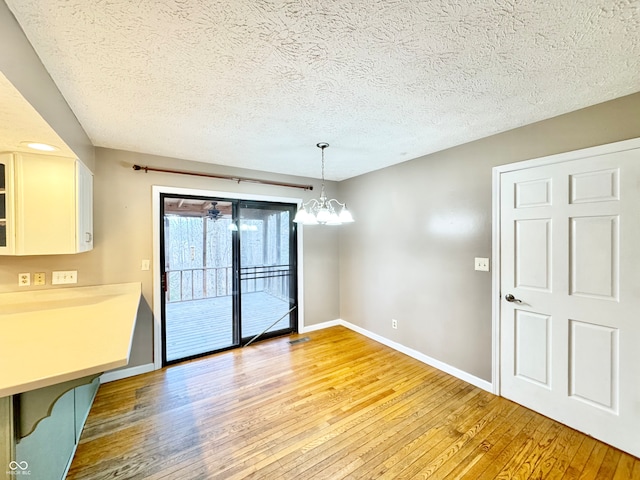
<point x="203" y="325"/>
<point x="338" y="406"/>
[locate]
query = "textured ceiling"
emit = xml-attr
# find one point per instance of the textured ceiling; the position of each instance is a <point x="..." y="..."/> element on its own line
<point x="256" y="83"/>
<point x="21" y="123"/>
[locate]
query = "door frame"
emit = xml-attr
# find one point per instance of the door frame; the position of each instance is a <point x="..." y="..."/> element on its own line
<point x="495" y="238"/>
<point x="157" y="190"/>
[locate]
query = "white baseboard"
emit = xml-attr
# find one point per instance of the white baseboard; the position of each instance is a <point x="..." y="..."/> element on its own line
<point x="456" y="372"/>
<point x="126" y="372"/>
<point x="321" y="326"/>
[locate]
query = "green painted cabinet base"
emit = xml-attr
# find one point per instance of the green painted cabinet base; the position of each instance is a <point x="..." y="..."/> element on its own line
<point x="84" y="396"/>
<point x="49" y="449"/>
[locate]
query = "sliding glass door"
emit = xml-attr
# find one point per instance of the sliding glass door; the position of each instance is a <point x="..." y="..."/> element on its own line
<point x="267" y="268"/>
<point x="228" y="273"/>
<point x="198" y="280"/>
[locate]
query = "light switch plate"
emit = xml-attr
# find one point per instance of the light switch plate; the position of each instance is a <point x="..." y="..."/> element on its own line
<point x="145" y="265"/>
<point x="482" y="264"/>
<point x="60" y="278"/>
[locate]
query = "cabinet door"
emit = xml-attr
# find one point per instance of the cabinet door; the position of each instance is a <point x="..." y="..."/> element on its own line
<point x="48" y="450"/>
<point x="84" y="399"/>
<point x="7" y="229"/>
<point x="7" y="433"/>
<point x="84" y="207"/>
<point x="45" y="205"/>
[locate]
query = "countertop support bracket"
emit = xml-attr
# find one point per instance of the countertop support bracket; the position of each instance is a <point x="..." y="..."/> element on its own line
<point x="29" y="408"/>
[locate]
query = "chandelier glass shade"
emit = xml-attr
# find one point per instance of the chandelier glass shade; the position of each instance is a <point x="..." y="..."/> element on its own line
<point x="323" y="211"/>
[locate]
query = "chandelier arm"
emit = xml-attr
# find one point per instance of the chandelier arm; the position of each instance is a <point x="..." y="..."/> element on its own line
<point x="343" y="205"/>
<point x="310" y="203"/>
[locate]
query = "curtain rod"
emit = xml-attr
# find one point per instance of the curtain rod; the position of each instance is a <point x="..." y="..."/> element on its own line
<point x="224" y="177"/>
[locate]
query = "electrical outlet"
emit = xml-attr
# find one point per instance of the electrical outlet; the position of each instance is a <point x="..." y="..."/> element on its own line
<point x="60" y="278"/>
<point x="39" y="278"/>
<point x="24" y="279"/>
<point x="394" y="323"/>
<point x="482" y="264"/>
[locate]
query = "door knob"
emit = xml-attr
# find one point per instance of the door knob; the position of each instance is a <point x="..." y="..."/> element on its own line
<point x="510" y="298"/>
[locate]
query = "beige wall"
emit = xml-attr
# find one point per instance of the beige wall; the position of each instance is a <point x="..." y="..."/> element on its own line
<point x="419" y="225"/>
<point x="122" y="204"/>
<point x="123" y="236"/>
<point x="22" y="66"/>
<point x="409" y="255"/>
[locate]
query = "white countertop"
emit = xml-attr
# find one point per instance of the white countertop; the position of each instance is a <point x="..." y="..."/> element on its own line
<point x="51" y="336"/>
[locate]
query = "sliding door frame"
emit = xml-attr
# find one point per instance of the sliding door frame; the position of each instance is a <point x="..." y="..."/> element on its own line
<point x="293" y="259"/>
<point x="157" y="192"/>
<point x="235" y="282"/>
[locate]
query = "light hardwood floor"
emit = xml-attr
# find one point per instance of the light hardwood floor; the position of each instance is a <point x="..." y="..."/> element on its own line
<point x="337" y="406"/>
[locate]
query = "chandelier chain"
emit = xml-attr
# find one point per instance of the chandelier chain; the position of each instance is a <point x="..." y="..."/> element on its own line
<point x="322" y="146"/>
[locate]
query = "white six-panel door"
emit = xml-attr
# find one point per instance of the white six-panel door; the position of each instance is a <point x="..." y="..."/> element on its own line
<point x="570" y="257"/>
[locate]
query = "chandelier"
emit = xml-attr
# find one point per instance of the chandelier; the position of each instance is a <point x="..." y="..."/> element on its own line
<point x="321" y="210"/>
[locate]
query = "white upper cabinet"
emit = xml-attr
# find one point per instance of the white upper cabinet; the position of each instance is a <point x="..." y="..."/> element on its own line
<point x="84" y="207"/>
<point x="6" y="205"/>
<point x="46" y="205"/>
